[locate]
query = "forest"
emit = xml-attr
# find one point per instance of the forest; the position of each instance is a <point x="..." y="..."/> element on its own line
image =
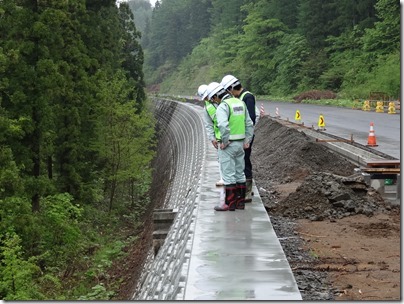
<point x="275" y="47"/>
<point x="76" y="142"/>
<point x="77" y="133"/>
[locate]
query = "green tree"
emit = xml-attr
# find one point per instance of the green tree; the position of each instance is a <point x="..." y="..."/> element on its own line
<point x="125" y="140"/>
<point x="142" y="12"/>
<point x="289" y="58"/>
<point x="17" y="275"/>
<point x="61" y="239"/>
<point x="256" y="48"/>
<point x="384" y="38"/>
<point x="20" y="93"/>
<point x="132" y="53"/>
<point x="176" y="27"/>
<point x="227" y="14"/>
<point x="284" y="11"/>
<point x="315" y="21"/>
<point x="350" y="14"/>
<point x="345" y="63"/>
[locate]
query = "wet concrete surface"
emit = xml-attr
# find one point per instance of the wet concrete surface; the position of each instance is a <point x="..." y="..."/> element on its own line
<point x="235" y="255"/>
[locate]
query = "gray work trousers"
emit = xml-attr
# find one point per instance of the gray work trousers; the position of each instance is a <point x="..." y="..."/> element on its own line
<point x="232" y="163"/>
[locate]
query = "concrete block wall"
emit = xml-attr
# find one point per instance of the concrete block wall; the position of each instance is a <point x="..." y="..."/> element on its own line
<point x="184" y="142"/>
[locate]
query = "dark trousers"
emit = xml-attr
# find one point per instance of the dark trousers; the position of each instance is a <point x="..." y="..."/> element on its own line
<point x="248" y="165"/>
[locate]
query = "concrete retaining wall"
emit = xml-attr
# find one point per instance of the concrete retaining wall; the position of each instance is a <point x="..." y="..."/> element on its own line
<point x="183" y="142"/>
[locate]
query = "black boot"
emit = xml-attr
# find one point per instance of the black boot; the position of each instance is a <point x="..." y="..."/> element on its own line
<point x="230" y="201"/>
<point x="249" y="193"/>
<point x="241" y="189"/>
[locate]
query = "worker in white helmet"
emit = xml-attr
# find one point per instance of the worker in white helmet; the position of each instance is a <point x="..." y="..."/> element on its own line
<point x="234" y="87"/>
<point x="210" y="122"/>
<point x="236" y="131"/>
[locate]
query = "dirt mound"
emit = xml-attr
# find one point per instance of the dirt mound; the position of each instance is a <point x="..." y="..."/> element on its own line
<point x="327" y="196"/>
<point x="315" y="95"/>
<point x="342" y="240"/>
<point x="283" y="154"/>
<point x="325" y="185"/>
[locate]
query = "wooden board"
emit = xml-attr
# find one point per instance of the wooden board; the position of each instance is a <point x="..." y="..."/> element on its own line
<point x="383" y="163"/>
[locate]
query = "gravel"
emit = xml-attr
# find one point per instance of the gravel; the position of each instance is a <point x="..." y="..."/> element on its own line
<point x="327" y="189"/>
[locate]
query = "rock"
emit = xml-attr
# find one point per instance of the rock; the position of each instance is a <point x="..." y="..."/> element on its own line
<point x="339" y="197"/>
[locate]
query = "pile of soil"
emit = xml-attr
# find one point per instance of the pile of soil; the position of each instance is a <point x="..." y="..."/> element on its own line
<point x="316" y="201"/>
<point x="315" y="95"/>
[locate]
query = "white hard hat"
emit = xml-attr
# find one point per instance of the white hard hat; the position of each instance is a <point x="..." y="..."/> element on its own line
<point x="229" y="80"/>
<point x="202" y="91"/>
<point x="214" y="88"/>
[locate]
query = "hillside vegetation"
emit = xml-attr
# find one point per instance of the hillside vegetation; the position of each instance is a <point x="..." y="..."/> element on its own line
<point x="276" y="47"/>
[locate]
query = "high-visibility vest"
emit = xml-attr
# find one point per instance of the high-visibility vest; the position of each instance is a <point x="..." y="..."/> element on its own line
<point x="242" y="95"/>
<point x="257" y="111"/>
<point x="211" y="109"/>
<point x="236" y="118"/>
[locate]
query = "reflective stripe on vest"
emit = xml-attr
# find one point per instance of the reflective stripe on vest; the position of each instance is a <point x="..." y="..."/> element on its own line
<point x="211" y="109"/>
<point x="236" y="118"/>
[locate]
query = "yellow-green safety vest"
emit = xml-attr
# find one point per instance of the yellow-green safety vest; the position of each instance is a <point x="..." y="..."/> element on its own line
<point x="257" y="111"/>
<point x="237" y="118"/>
<point x="211" y="109"/>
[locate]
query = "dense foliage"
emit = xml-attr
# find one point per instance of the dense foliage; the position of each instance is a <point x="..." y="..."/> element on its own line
<point x="276" y="47"/>
<point x="76" y="142"/>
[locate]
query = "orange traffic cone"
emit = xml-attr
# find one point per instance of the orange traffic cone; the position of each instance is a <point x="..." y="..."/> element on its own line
<point x="372" y="137"/>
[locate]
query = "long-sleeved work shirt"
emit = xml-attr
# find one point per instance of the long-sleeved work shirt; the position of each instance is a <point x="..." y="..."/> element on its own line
<point x="209" y="126"/>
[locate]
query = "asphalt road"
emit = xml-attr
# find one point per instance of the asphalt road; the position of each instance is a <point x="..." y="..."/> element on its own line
<point x="344" y="122"/>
